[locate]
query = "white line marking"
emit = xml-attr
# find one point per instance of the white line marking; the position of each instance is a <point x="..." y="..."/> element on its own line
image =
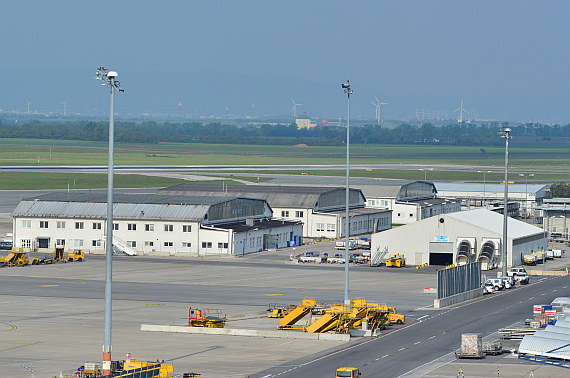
<point x="420" y="318"/>
<point x="401" y="349"/>
<point x="386" y="355"/>
<point x="417" y="343"/>
<point x="431" y="337"/>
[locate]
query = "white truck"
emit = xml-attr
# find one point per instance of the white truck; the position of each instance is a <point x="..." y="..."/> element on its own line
<point x="341" y="244"/>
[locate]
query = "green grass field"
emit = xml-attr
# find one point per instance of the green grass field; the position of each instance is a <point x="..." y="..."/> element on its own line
<point x="28" y="152"/>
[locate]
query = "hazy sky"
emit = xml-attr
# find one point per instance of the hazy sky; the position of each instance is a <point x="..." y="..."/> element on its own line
<point x="506" y="58"/>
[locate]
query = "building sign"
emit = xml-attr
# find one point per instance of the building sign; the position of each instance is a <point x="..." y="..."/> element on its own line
<point x="441" y="238"/>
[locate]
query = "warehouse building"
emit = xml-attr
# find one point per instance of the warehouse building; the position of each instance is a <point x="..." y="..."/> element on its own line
<point x="151" y="224"/>
<point x="322" y="210"/>
<point x="556" y="213"/>
<point x="467" y="236"/>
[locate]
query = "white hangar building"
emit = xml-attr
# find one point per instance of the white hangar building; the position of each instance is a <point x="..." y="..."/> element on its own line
<point x="321" y="209"/>
<point x="467" y="236"/>
<point x="151" y="224"/>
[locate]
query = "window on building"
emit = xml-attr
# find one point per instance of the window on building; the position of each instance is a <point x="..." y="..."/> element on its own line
<point x="186" y="244"/>
<point x="132" y="243"/>
<point x="96" y="225"/>
<point x="78" y="243"/>
<point x="115" y="227"/>
<point x="299" y="214"/>
<point x="149" y="244"/>
<point x="168" y="227"/>
<point x="206" y="244"/>
<point x="79" y="225"/>
<point x="186" y="228"/>
<point x="168" y="244"/>
<point x="60" y="224"/>
<point x="372" y="202"/>
<point x="60" y="241"/>
<point x="330" y="227"/>
<point x="399" y="214"/>
<point x="43" y="224"/>
<point x="26" y="243"/>
<point x="131" y="226"/>
<point x="320" y="226"/>
<point x="220" y="245"/>
<point x="149" y="227"/>
<point x="251" y="242"/>
<point x="411" y="215"/>
<point x="26" y="224"/>
<point x="96" y="243"/>
<point x="285" y="213"/>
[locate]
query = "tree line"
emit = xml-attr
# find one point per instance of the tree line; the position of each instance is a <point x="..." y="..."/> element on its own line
<point x="284" y="134"/>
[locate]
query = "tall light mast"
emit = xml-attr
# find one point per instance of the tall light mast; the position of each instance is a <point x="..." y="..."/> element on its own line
<point x="109" y="79"/>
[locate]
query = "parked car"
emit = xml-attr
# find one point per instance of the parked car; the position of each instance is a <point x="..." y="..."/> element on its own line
<point x="522" y="278"/>
<point x="508" y="282"/>
<point x="513" y="271"/>
<point x="497" y="283"/>
<point x="6" y="245"/>
<point x="488" y="288"/>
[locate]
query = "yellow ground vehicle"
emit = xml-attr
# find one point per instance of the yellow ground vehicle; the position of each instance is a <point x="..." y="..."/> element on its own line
<point x="76" y="255"/>
<point x="276" y="310"/>
<point x="208" y="317"/>
<point x="58" y="254"/>
<point x="348" y="371"/>
<point x="17" y="257"/>
<point x="395" y="317"/>
<point x="397" y="261"/>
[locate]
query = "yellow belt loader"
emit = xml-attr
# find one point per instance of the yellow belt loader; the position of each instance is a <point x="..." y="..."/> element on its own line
<point x="17" y="257"/>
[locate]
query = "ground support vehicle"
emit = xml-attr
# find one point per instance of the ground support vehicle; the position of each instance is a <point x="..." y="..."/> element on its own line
<point x="347" y="372"/>
<point x="397" y="261"/>
<point x="342" y="244"/>
<point x="557" y="253"/>
<point x="394" y="317"/>
<point x="129" y="368"/>
<point x="207" y="317"/>
<point x="471" y="346"/>
<point x="529" y="259"/>
<point x="507" y="282"/>
<point x="17" y="257"/>
<point x="276" y="310"/>
<point x="76" y="255"/>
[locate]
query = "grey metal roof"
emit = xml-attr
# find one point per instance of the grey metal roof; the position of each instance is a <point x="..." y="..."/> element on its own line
<point x="553" y="335"/>
<point x="557" y="329"/>
<point x="480" y="187"/>
<point x="563" y="323"/>
<point x="493" y="222"/>
<point x="276" y="196"/>
<point x="547" y="347"/>
<point x="258" y="224"/>
<point x="380" y="191"/>
<point x="98" y="210"/>
<point x="431" y="201"/>
<point x="130" y="198"/>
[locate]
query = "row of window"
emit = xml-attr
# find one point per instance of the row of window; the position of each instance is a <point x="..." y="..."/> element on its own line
<point x="27" y="243"/>
<point x="285" y="214"/>
<point x="329" y="227"/>
<point x="373" y="202"/>
<point x="359" y="225"/>
<point x="97" y="226"/>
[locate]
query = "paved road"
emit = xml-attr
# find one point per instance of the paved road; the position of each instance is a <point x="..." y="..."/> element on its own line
<point x="425" y="344"/>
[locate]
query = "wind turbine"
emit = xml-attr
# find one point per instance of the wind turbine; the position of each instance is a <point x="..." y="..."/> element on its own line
<point x="461" y="109"/>
<point x="295" y="107"/>
<point x="378" y="106"/>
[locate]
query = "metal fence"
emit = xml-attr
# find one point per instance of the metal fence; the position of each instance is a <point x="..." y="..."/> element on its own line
<point x="458" y="279"/>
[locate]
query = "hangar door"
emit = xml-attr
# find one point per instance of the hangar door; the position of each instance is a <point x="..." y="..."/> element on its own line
<point x="440" y="253"/>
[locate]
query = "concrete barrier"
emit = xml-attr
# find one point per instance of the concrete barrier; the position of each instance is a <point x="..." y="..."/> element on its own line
<point x="247" y="332"/>
<point x="546" y="272"/>
<point x="453" y="299"/>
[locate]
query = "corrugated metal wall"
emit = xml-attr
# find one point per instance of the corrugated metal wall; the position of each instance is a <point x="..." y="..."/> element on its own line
<point x="458" y="279"/>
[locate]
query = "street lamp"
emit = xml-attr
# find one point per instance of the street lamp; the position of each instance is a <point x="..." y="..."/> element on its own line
<point x="505" y="134"/>
<point x="526" y="192"/>
<point x="348" y="91"/>
<point x="109" y="79"/>
<point x="425" y="172"/>
<point x="484" y="191"/>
